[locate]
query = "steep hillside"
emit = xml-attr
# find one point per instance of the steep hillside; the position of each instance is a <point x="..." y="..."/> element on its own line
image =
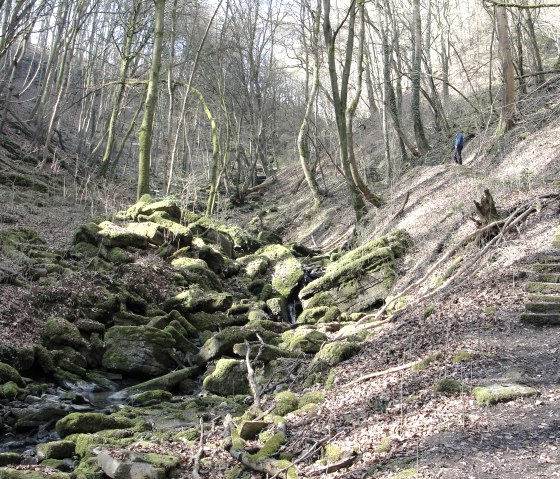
<point x="162" y="296"/>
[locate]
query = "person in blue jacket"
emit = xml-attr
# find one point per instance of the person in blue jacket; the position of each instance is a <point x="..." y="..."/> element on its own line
<point x="458" y="148"/>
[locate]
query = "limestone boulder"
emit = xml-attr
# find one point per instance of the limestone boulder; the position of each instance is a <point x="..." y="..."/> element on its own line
<point x="362" y="278"/>
<point x="138" y="350"/>
<point x="287" y="271"/>
<point x="229" y="377"/>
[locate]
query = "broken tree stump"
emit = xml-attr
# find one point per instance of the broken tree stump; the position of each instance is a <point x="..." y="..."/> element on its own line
<point x="487" y="214"/>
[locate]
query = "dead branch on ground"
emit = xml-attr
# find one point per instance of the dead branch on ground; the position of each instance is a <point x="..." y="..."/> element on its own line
<point x="196" y="467"/>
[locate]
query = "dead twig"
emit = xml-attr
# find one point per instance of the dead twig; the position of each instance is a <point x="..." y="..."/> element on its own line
<point x="196" y="467"/>
<point x="381" y="373"/>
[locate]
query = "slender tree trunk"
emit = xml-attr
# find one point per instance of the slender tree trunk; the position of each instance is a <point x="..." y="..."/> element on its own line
<point x="534" y="45"/>
<point x="507" y="112"/>
<point x="302" y="139"/>
<point x="421" y="141"/>
<point x="145" y="133"/>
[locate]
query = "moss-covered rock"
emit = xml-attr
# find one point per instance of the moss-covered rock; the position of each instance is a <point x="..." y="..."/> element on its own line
<point x="167" y="382"/>
<point x="177" y="320"/>
<point x="10" y="374"/>
<point x="212" y="230"/>
<point x="153" y="232"/>
<point x="149" y="398"/>
<point x="222" y="343"/>
<point x="304" y="340"/>
<point x="285" y="403"/>
<point x="254" y="265"/>
<point x="87" y="233"/>
<point x="90" y="422"/>
<point x="55" y="450"/>
<point x="10" y="390"/>
<point x="323" y="298"/>
<point x="112" y="235"/>
<point x="278" y="309"/>
<point x="118" y="256"/>
<point x="287" y="270"/>
<point x="448" y="386"/>
<point x="265" y="352"/>
<point x="138" y="350"/>
<point x="85" y="250"/>
<point x="334" y="353"/>
<point x="203" y="321"/>
<point x="228" y="378"/>
<point x="312" y="397"/>
<point x="10" y="459"/>
<point x="362" y="277"/>
<point x="496" y="393"/>
<point x="88" y="469"/>
<point x="218" y="262"/>
<point x="196" y="299"/>
<point x="59" y="332"/>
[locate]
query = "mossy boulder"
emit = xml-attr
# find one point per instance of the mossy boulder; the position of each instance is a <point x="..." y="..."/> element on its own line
<point x="265" y="352"/>
<point x="332" y="354"/>
<point x="214" y="321"/>
<point x="59" y="332"/>
<point x="168" y="382"/>
<point x="196" y="299"/>
<point x="153" y="232"/>
<point x="285" y="403"/>
<point x="87" y="233"/>
<point x="90" y="422"/>
<point x="138" y="350"/>
<point x="362" y="277"/>
<point x="305" y="340"/>
<point x="10" y="459"/>
<point x="212" y="230"/>
<point x="55" y="450"/>
<point x="312" y="397"/>
<point x="112" y="235"/>
<point x="146" y="205"/>
<point x="222" y="343"/>
<point x="321" y="299"/>
<point x="10" y="390"/>
<point x="448" y="386"/>
<point x="174" y="232"/>
<point x="287" y="272"/>
<point x="496" y="393"/>
<point x="85" y="250"/>
<point x="118" y="256"/>
<point x="318" y="314"/>
<point x="10" y="374"/>
<point x="218" y="262"/>
<point x="228" y="378"/>
<point x="254" y="265"/>
<point x="278" y="309"/>
<point x="150" y="398"/>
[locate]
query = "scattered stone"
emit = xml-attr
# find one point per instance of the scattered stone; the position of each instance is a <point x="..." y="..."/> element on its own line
<point x="496" y="393"/>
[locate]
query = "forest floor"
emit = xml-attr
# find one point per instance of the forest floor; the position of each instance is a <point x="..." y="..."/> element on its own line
<point x="398" y="426"/>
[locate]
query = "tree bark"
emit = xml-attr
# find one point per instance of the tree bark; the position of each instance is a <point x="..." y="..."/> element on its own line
<point x="145" y="133"/>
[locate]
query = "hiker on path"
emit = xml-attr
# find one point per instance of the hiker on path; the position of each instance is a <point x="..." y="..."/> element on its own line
<point x="458" y="148"/>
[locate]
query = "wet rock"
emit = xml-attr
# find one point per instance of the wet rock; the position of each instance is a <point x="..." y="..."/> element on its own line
<point x="55" y="450"/>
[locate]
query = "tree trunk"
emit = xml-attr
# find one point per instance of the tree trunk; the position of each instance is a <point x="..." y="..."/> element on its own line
<point x="146" y="129"/>
<point x="507" y="112"/>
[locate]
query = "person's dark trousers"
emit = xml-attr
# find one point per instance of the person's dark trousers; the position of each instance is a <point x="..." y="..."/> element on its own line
<point x="457" y="157"/>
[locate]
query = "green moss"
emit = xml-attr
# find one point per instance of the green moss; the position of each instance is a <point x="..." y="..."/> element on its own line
<point x="55" y="450"/>
<point x="429" y="311"/>
<point x="490" y="310"/>
<point x="189" y="435"/>
<point x="228" y="378"/>
<point x="151" y="397"/>
<point x="10" y="374"/>
<point x="282" y="464"/>
<point x="10" y="458"/>
<point x="285" y="403"/>
<point x="331" y="453"/>
<point x="463" y="355"/>
<point x="10" y="390"/>
<point x="88" y="469"/>
<point x="384" y="445"/>
<point x="87" y="233"/>
<point x="425" y="363"/>
<point x="323" y="298"/>
<point x="269" y="448"/>
<point x="119" y="256"/>
<point x="448" y="386"/>
<point x="312" y="397"/>
<point x="234" y="472"/>
<point x="496" y="393"/>
<point x="305" y="340"/>
<point x="89" y="422"/>
<point x="334" y="353"/>
<point x="59" y="332"/>
<point x="331" y="378"/>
